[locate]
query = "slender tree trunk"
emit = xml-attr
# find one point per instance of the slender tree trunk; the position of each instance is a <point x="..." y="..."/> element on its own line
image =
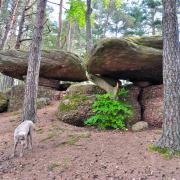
<point x="21" y="25"/>
<point x="107" y="19"/>
<point x="153" y="12"/>
<point x="171" y="78"/>
<point x="58" y="44"/>
<point x="1" y="2"/>
<point x="10" y="23"/>
<point x="29" y="106"/>
<point x="69" y="37"/>
<point x="89" y="41"/>
<point x="116" y="29"/>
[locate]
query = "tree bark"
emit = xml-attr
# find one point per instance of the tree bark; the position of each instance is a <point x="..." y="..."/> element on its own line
<point x="10" y="23"/>
<point x="153" y="13"/>
<point x="1" y="2"/>
<point x="171" y="78"/>
<point x="89" y="41"/>
<point x="58" y="44"/>
<point x="21" y="25"/>
<point x="69" y="37"/>
<point x="29" y="106"/>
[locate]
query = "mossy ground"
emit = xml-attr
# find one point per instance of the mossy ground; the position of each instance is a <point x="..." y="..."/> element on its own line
<point x="165" y="152"/>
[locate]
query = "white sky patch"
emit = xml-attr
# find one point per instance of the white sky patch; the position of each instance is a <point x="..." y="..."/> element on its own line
<point x="54" y="15"/>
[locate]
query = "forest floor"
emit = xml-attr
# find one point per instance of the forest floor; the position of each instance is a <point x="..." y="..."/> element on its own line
<point x="62" y="151"/>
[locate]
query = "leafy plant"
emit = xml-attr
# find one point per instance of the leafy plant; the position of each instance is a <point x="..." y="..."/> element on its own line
<point x="110" y="113"/>
<point x="77" y="12"/>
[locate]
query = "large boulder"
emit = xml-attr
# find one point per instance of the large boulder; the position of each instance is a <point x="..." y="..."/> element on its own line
<point x="134" y="59"/>
<point x="56" y="65"/>
<point x="152" y="102"/>
<point x="16" y="97"/>
<point x="76" y="109"/>
<point x="3" y="102"/>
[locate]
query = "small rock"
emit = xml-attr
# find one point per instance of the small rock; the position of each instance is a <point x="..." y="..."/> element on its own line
<point x="139" y="126"/>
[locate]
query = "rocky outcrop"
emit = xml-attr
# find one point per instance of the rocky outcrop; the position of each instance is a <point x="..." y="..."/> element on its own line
<point x="3" y="102"/>
<point x="16" y="96"/>
<point x="133" y="59"/>
<point x="85" y="88"/>
<point x="56" y="65"/>
<point x="75" y="107"/>
<point x="152" y="102"/>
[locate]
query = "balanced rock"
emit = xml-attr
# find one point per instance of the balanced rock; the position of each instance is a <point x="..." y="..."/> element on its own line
<point x="56" y="65"/>
<point x="152" y="101"/>
<point x="134" y="59"/>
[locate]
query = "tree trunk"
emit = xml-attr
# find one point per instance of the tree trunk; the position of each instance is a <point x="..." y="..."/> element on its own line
<point x="29" y="106"/>
<point x="89" y="42"/>
<point x="21" y="25"/>
<point x="171" y="78"/>
<point x="58" y="44"/>
<point x="1" y="2"/>
<point x="153" y="13"/>
<point x="69" y="37"/>
<point x="9" y="24"/>
<point x="107" y="19"/>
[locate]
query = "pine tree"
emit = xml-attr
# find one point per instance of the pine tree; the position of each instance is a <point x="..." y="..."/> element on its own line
<point x="171" y="78"/>
<point x="29" y="106"/>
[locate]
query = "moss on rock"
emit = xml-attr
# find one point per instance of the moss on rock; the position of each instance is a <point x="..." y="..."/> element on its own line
<point x="75" y="109"/>
<point x="3" y="102"/>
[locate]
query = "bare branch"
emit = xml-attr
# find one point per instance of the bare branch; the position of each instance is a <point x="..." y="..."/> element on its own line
<point x="56" y="4"/>
<point x="30" y="6"/>
<point x="53" y="3"/>
<point x="27" y="39"/>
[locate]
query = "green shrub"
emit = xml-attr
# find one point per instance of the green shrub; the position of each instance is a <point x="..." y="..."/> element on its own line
<point x="110" y="112"/>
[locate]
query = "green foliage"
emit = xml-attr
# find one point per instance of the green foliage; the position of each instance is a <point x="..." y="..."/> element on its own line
<point x="110" y="113"/>
<point x="77" y="12"/>
<point x="107" y="4"/>
<point x="165" y="152"/>
<point x="118" y="4"/>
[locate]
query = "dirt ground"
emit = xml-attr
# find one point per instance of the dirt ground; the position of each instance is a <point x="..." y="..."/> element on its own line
<point x="61" y="151"/>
